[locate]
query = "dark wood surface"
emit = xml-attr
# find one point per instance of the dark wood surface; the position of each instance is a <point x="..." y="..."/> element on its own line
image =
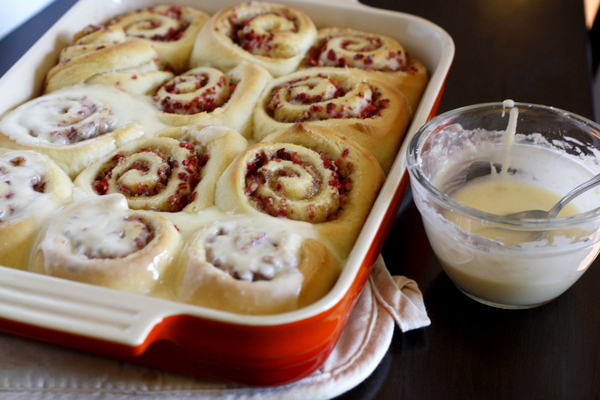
<point x="530" y="51"/>
<point x="527" y="50"/>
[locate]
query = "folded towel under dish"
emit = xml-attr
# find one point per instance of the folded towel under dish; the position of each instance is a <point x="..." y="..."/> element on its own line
<point x="35" y="371"/>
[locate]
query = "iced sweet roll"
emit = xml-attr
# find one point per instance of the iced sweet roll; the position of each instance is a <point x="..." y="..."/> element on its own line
<point x="305" y="173"/>
<point x="106" y="56"/>
<point x="75" y="126"/>
<point x="380" y="55"/>
<point x="176" y="171"/>
<point x="102" y="242"/>
<point x="206" y="95"/>
<point x="31" y="187"/>
<point x="348" y="101"/>
<point x="275" y="36"/>
<point x="170" y="29"/>
<point x="255" y="265"/>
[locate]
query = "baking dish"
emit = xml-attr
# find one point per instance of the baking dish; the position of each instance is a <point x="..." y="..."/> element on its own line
<point x="196" y="341"/>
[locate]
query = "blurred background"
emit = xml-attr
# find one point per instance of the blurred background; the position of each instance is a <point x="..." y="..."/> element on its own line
<point x="13" y="14"/>
<point x="592" y="22"/>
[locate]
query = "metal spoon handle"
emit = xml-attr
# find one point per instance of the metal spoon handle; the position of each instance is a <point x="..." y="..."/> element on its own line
<point x="595" y="181"/>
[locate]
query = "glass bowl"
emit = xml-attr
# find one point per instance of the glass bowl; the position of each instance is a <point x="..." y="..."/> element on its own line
<point x="469" y="168"/>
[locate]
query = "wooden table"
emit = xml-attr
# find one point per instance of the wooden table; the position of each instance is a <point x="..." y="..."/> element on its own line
<point x="529" y="51"/>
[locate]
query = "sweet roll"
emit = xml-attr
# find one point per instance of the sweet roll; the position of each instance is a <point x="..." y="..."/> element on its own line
<point x="106" y="56"/>
<point x="255" y="265"/>
<point x="348" y="101"/>
<point x="206" y="95"/>
<point x="170" y="29"/>
<point x="175" y="171"/>
<point x="31" y="187"/>
<point x="383" y="57"/>
<point x="305" y="173"/>
<point x="75" y="126"/>
<point x="100" y="241"/>
<point x="275" y="36"/>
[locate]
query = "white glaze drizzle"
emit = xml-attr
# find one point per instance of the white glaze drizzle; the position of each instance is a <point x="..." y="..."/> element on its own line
<point x="252" y="253"/>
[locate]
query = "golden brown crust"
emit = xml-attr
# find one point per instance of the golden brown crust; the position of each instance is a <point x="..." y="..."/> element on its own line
<point x="221" y="144"/>
<point x="75" y="126"/>
<point x="170" y="29"/>
<point x="348" y="101"/>
<point x="411" y="81"/>
<point x="320" y="272"/>
<point x="32" y="188"/>
<point x="305" y="187"/>
<point x="271" y="35"/>
<point x="134" y="259"/>
<point x="206" y="95"/>
<point x="175" y="171"/>
<point x="205" y="277"/>
<point x="308" y="173"/>
<point x="106" y="56"/>
<point x="379" y="55"/>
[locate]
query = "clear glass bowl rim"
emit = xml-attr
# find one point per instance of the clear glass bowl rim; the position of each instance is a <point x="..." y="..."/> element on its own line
<point x="448" y="202"/>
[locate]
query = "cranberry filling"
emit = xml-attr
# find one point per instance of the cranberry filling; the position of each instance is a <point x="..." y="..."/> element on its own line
<point x="173" y="34"/>
<point x="317" y="103"/>
<point x="313" y="57"/>
<point x="255" y="178"/>
<point x="205" y="102"/>
<point x="188" y="175"/>
<point x="252" y="41"/>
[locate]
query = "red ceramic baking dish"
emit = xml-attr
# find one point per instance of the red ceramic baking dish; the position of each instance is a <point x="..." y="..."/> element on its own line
<point x="192" y="340"/>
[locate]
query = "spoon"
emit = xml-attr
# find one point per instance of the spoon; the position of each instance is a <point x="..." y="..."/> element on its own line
<point x="553" y="212"/>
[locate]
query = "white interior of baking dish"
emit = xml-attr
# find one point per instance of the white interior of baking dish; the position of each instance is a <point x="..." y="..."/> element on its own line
<point x="126" y="318"/>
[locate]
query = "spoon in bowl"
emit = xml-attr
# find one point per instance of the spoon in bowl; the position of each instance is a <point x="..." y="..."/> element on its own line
<point x="553" y="212"/>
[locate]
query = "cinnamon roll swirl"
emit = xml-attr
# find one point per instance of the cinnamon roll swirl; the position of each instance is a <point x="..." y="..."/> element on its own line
<point x="306" y="173"/>
<point x="100" y="241"/>
<point x="75" y="126"/>
<point x="272" y="35"/>
<point x="206" y="95"/>
<point x="105" y="55"/>
<point x="170" y="29"/>
<point x="31" y="188"/>
<point x="366" y="110"/>
<point x="255" y="265"/>
<point x="173" y="172"/>
<point x="380" y="55"/>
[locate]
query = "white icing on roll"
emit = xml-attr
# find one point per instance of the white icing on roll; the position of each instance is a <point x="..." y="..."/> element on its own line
<point x="105" y="233"/>
<point x="21" y="185"/>
<point x="65" y="120"/>
<point x="75" y="114"/>
<point x="322" y="97"/>
<point x="99" y="241"/>
<point x="252" y="253"/>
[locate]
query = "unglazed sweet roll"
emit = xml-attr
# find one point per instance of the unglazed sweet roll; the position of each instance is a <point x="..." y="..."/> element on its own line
<point x="174" y="172"/>
<point x="170" y="29"/>
<point x="105" y="55"/>
<point x="31" y="188"/>
<point x="75" y="126"/>
<point x="305" y="173"/>
<point x="348" y="101"/>
<point x="255" y="265"/>
<point x="206" y="95"/>
<point x="102" y="242"/>
<point x="272" y="35"/>
<point x="380" y="55"/>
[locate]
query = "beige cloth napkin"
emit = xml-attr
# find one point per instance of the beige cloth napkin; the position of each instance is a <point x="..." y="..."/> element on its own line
<point x="34" y="371"/>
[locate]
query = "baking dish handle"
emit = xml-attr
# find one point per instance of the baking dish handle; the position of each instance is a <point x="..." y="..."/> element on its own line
<point x="59" y="305"/>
